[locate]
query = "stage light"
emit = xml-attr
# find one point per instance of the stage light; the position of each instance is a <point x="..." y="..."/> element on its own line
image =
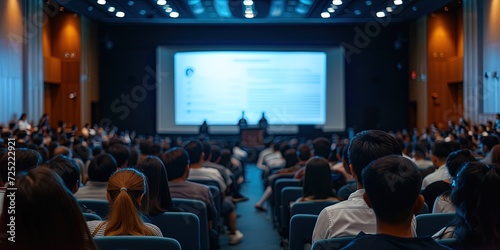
<point x="120" y="14"/>
<point x="380" y="14"/>
<point x="325" y="15"/>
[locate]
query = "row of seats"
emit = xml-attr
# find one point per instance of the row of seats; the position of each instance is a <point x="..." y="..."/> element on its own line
<point x="191" y="226"/>
<point x="302" y="226"/>
<point x="303" y="215"/>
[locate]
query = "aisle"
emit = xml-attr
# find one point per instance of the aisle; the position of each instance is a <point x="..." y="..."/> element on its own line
<point x="256" y="226"/>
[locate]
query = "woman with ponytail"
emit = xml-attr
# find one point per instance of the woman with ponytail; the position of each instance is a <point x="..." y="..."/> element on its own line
<point x="126" y="188"/>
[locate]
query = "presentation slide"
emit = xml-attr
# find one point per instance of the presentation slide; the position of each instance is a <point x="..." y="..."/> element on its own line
<point x="292" y="86"/>
<point x="216" y="86"/>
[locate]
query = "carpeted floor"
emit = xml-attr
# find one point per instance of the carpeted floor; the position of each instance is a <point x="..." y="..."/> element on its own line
<point x="256" y="226"/>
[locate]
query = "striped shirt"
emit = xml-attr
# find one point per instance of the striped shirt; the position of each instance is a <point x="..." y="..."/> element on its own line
<point x="95" y="223"/>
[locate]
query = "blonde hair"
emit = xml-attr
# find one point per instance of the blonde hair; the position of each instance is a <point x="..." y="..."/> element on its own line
<point x="125" y="187"/>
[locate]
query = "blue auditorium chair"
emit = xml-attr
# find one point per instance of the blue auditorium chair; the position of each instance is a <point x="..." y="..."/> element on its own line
<point x="181" y="226"/>
<point x="100" y="207"/>
<point x="199" y="209"/>
<point x="429" y="224"/>
<point x="301" y="229"/>
<point x="136" y="243"/>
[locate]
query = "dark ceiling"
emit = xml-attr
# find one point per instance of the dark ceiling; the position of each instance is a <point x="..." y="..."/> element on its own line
<point x="248" y="11"/>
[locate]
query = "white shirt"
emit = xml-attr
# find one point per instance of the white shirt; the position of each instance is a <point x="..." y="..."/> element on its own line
<point x="207" y="174"/>
<point x="443" y="205"/>
<point x="346" y="218"/>
<point x="263" y="154"/>
<point x="423" y="164"/>
<point x="440" y="174"/>
<point x="274" y="160"/>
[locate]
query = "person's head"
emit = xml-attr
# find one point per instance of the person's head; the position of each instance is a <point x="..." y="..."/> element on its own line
<point x="82" y="152"/>
<point x="457" y="159"/>
<point x="102" y="167"/>
<point x="290" y="158"/>
<point x="195" y="151"/>
<point x="67" y="169"/>
<point x="392" y="188"/>
<point x="317" y="179"/>
<point x="47" y="215"/>
<point x="225" y="157"/>
<point x="62" y="150"/>
<point x="176" y="161"/>
<point x="321" y="147"/>
<point x="23" y="117"/>
<point x="159" y="199"/>
<point x="478" y="210"/>
<point x="440" y="150"/>
<point x="419" y="151"/>
<point x="495" y="155"/>
<point x="207" y="151"/>
<point x="126" y="188"/>
<point x="304" y="153"/>
<point x="367" y="146"/>
<point x="488" y="142"/>
<point x="121" y="153"/>
<point x="215" y="153"/>
<point x="146" y="147"/>
<point x="25" y="159"/>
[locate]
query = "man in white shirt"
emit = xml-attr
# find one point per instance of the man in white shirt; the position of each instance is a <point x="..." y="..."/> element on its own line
<point x="440" y="150"/>
<point x="352" y="216"/>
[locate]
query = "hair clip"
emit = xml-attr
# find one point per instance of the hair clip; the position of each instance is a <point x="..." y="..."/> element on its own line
<point x="123" y="189"/>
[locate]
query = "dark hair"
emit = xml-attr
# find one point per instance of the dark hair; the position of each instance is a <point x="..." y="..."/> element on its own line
<point x="441" y="149"/>
<point x="304" y="152"/>
<point x="207" y="149"/>
<point x="474" y="194"/>
<point x="489" y="141"/>
<point x="120" y="152"/>
<point x="194" y="149"/>
<point x="67" y="168"/>
<point x="225" y="158"/>
<point x="317" y="179"/>
<point x="321" y="147"/>
<point x="370" y="145"/>
<point x="392" y="184"/>
<point x="457" y="159"/>
<point x="82" y="152"/>
<point x="47" y="215"/>
<point x="175" y="160"/>
<point x="290" y="158"/>
<point x="25" y="159"/>
<point x="215" y="152"/>
<point x="102" y="167"/>
<point x="146" y="147"/>
<point x="420" y="150"/>
<point x="158" y="199"/>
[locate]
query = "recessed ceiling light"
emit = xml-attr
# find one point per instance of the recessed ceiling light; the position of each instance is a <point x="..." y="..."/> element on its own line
<point x="388" y="9"/>
<point x="398" y="2"/>
<point x="101" y="2"/>
<point x="414" y="8"/>
<point x="120" y="14"/>
<point x="142" y="12"/>
<point x="380" y="14"/>
<point x="325" y="14"/>
<point x="90" y="8"/>
<point x="357" y="12"/>
<point x="174" y="14"/>
<point x="111" y="9"/>
<point x="247" y="2"/>
<point x="330" y="9"/>
<point x="168" y="9"/>
<point x="248" y="11"/>
<point x="337" y="2"/>
<point x="368" y="3"/>
<point x="161" y="2"/>
<point x="130" y="3"/>
<point x="249" y="15"/>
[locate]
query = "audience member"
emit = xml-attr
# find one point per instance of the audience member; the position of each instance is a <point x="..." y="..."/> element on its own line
<point x="495" y="155"/>
<point x="477" y="215"/>
<point x="158" y="199"/>
<point x="196" y="169"/>
<point x="420" y="157"/>
<point x="100" y="170"/>
<point x="440" y="150"/>
<point x="317" y="185"/>
<point x="392" y="188"/>
<point x="352" y="216"/>
<point x="125" y="191"/>
<point x="25" y="159"/>
<point x="47" y="215"/>
<point x="487" y="144"/>
<point x="437" y="194"/>
<point x="121" y="153"/>
<point x="67" y="169"/>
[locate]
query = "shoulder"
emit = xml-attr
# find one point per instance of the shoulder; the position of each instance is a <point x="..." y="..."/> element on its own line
<point x="154" y="229"/>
